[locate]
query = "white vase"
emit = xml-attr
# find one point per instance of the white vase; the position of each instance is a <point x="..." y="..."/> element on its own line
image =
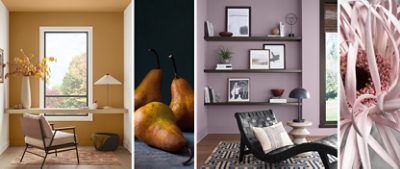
<point x="26" y="92"/>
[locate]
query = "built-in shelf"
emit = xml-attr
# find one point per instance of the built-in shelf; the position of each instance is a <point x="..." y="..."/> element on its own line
<point x="254" y="38"/>
<point x="253" y="71"/>
<point x="64" y="110"/>
<point x="252" y="103"/>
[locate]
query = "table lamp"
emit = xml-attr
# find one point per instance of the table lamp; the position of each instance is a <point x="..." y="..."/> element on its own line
<point x="299" y="94"/>
<point x="107" y="80"/>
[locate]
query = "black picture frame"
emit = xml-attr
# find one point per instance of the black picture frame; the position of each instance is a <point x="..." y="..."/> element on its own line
<point x="228" y="9"/>
<point x="263" y="55"/>
<point x="281" y="65"/>
<point x="243" y="87"/>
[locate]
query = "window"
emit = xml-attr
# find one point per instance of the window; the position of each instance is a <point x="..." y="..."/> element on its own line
<point x="329" y="64"/>
<point x="70" y="81"/>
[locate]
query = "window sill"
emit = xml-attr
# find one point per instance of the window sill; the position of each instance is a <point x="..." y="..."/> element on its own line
<point x="62" y="110"/>
<point x="328" y="125"/>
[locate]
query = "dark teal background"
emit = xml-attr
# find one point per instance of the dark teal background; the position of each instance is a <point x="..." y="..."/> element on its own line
<point x="168" y="27"/>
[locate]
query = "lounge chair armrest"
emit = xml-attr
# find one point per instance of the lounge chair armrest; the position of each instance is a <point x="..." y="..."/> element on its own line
<point x="65" y="128"/>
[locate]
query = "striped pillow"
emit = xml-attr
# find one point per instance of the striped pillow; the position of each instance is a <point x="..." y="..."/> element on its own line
<point x="272" y="137"/>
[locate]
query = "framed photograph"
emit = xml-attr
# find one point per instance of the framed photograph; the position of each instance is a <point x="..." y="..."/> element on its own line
<point x="238" y="21"/>
<point x="1" y="66"/>
<point x="277" y="58"/>
<point x="238" y="89"/>
<point x="259" y="58"/>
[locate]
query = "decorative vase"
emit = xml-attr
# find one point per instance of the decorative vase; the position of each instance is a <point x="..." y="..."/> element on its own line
<point x="225" y="61"/>
<point x="26" y="92"/>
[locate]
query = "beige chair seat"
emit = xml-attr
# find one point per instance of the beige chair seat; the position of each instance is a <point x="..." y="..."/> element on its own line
<point x="59" y="139"/>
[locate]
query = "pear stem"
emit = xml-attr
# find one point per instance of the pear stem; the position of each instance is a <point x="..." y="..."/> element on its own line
<point x="187" y="162"/>
<point x="157" y="56"/>
<point x="171" y="56"/>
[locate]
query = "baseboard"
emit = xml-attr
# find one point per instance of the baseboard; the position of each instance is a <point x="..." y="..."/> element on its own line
<point x="201" y="134"/>
<point x="4" y="147"/>
<point x="128" y="145"/>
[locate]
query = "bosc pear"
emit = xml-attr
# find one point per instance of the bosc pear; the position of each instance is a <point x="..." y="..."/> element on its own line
<point x="155" y="125"/>
<point x="182" y="100"/>
<point x="149" y="90"/>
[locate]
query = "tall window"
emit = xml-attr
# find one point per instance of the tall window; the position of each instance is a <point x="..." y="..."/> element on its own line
<point x="329" y="66"/>
<point x="69" y="84"/>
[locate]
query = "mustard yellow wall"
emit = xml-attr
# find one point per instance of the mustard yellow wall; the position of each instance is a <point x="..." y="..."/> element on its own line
<point x="107" y="58"/>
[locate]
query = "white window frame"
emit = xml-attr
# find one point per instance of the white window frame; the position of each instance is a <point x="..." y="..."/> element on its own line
<point x="89" y="30"/>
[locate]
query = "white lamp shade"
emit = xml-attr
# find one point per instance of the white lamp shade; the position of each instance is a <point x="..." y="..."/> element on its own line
<point x="107" y="80"/>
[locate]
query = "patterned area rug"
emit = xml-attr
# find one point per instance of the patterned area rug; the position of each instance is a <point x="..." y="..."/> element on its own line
<point x="87" y="156"/>
<point x="226" y="155"/>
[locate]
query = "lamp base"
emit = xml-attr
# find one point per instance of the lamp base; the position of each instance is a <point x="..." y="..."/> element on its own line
<point x="299" y="120"/>
<point x="107" y="107"/>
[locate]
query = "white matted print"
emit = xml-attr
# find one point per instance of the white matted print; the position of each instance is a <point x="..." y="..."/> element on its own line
<point x="238" y="21"/>
<point x="238" y="89"/>
<point x="259" y="59"/>
<point x="277" y="55"/>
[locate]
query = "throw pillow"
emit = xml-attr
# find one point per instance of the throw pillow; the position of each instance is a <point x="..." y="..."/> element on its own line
<point x="272" y="137"/>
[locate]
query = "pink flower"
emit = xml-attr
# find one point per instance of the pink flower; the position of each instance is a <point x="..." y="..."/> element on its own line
<point x="370" y="85"/>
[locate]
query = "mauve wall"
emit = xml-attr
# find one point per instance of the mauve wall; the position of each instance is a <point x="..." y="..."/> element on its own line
<point x="265" y="15"/>
<point x="201" y="81"/>
<point x="310" y="14"/>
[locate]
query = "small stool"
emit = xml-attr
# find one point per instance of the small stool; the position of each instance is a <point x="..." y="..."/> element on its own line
<point x="105" y="141"/>
<point x="299" y="131"/>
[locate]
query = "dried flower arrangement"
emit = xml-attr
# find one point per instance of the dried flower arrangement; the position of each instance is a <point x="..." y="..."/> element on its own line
<point x="370" y="87"/>
<point x="24" y="66"/>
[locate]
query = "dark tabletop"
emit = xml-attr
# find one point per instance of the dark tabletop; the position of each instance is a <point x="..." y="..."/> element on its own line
<point x="152" y="158"/>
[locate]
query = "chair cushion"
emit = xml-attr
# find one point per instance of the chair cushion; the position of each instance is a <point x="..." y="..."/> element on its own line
<point x="59" y="138"/>
<point x="48" y="133"/>
<point x="272" y="137"/>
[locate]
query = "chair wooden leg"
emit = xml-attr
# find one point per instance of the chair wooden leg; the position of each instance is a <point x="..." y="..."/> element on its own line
<point x="325" y="159"/>
<point x="44" y="159"/>
<point x="56" y="152"/>
<point x="241" y="149"/>
<point x="77" y="155"/>
<point x="23" y="153"/>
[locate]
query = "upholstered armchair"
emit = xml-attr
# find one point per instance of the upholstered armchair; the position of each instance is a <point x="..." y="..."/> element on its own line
<point x="249" y="144"/>
<point x="41" y="135"/>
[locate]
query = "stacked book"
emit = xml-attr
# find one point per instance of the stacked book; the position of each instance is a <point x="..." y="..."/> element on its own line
<point x="209" y="95"/>
<point x="223" y="67"/>
<point x="277" y="100"/>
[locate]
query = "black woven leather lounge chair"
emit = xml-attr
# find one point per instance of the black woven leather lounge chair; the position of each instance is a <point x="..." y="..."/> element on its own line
<point x="250" y="145"/>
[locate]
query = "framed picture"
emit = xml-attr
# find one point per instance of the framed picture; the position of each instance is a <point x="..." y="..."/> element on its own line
<point x="259" y="58"/>
<point x="238" y="89"/>
<point x="277" y="58"/>
<point x="1" y="66"/>
<point x="238" y="21"/>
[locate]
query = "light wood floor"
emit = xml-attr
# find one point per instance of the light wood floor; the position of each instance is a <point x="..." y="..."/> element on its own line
<point x="207" y="145"/>
<point x="124" y="157"/>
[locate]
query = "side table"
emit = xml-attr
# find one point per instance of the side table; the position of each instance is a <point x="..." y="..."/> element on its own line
<point x="299" y="131"/>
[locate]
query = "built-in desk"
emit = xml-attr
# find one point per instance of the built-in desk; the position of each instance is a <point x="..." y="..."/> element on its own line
<point x="104" y="120"/>
<point x="61" y="110"/>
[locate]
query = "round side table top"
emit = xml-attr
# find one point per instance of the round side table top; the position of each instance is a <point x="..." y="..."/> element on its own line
<point x="299" y="124"/>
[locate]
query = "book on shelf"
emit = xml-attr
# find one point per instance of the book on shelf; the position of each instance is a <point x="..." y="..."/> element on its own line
<point x="209" y="28"/>
<point x="277" y="100"/>
<point x="206" y="95"/>
<point x="282" y="29"/>
<point x="274" y="36"/>
<point x="209" y="95"/>
<point x="223" y="67"/>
